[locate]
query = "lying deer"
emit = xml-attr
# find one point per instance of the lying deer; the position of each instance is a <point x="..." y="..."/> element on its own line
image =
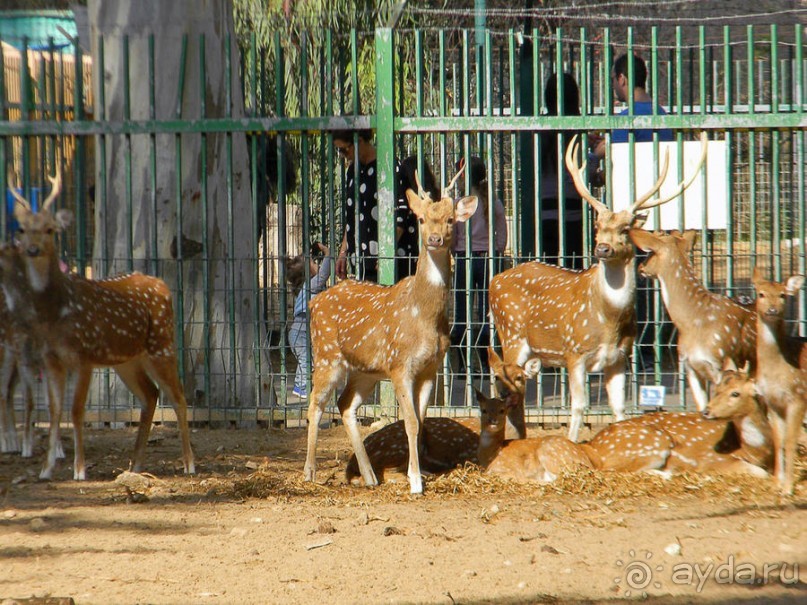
<point x="125" y="323"/>
<point x="581" y="320"/>
<point x="666" y="442"/>
<point x="362" y="332"/>
<point x="448" y="442"/>
<point x="539" y="459"/>
<point x="711" y="328"/>
<point x="781" y="375"/>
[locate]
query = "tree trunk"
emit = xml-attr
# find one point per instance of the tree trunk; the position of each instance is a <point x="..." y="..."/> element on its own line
<point x="143" y="235"/>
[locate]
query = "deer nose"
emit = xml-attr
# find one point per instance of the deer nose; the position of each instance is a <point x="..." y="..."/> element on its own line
<point x="604" y="251"/>
<point x="435" y="240"/>
<point x="707" y="414"/>
<point x="32" y="250"/>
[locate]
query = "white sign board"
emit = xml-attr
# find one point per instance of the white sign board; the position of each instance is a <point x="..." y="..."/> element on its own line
<point x="646" y="173"/>
<point x="651" y="396"/>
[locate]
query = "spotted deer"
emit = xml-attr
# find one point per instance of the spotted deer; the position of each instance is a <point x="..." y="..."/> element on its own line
<point x="734" y="440"/>
<point x="539" y="459"/>
<point x="711" y="328"/>
<point x="781" y="375"/>
<point x="581" y="320"/>
<point x="126" y="323"/>
<point x="362" y="332"/>
<point x="19" y="354"/>
<point x="450" y="443"/>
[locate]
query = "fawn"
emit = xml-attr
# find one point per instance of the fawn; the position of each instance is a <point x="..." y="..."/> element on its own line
<point x="362" y="332"/>
<point x="781" y="375"/>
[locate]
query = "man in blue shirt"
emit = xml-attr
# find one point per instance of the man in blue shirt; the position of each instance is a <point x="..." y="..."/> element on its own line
<point x="642" y="105"/>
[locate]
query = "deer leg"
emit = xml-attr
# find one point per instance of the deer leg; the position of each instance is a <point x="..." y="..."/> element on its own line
<point x="164" y="371"/>
<point x="79" y="401"/>
<point x="28" y="424"/>
<point x="793" y="419"/>
<point x="356" y="391"/>
<point x="324" y="381"/>
<point x="8" y="424"/>
<point x="137" y="380"/>
<point x="577" y="389"/>
<point x="56" y="376"/>
<point x="404" y="389"/>
<point x="698" y="387"/>
<point x="778" y="433"/>
<point x="615" y="387"/>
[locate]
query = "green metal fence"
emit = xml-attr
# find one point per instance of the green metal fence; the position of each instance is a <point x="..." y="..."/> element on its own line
<point x="270" y="182"/>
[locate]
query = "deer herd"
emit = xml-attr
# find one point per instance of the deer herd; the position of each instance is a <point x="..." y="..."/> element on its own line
<point x="52" y="324"/>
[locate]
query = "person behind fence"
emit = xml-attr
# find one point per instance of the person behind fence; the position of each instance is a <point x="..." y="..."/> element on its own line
<point x="551" y="167"/>
<point x="408" y="249"/>
<point x="360" y="239"/>
<point x="471" y="319"/>
<point x="304" y="290"/>
<point x="642" y="105"/>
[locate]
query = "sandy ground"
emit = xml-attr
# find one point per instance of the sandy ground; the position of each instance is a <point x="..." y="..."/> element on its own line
<point x="246" y="529"/>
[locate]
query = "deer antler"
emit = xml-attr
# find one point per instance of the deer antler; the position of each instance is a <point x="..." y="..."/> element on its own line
<point x="454" y="180"/>
<point x="13" y="184"/>
<point x="421" y="192"/>
<point x="681" y="187"/>
<point x="56" y="183"/>
<point x="577" y="175"/>
<point x="640" y="203"/>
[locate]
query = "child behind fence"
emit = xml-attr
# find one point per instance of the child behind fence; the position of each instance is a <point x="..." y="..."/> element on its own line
<point x="298" y="330"/>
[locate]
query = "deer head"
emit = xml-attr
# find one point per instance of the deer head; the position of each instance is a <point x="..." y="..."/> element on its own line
<point x="510" y="378"/>
<point x="36" y="234"/>
<point x="772" y="296"/>
<point x="735" y="396"/>
<point x="663" y="248"/>
<point x="612" y="242"/>
<point x="437" y="218"/>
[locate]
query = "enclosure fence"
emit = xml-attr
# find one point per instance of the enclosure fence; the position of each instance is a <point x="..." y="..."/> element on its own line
<point x="213" y="190"/>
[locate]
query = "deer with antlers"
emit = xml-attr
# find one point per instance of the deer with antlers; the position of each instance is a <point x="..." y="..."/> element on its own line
<point x="126" y="323"/>
<point x="781" y="375"/>
<point x="362" y="332"/>
<point x="581" y="320"/>
<point x="712" y="329"/>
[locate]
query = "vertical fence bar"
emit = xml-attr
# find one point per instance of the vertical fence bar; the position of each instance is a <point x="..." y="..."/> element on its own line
<point x="282" y="220"/>
<point x="256" y="226"/>
<point x="728" y="102"/>
<point x="231" y="306"/>
<point x="206" y="331"/>
<point x="154" y="247"/>
<point x="776" y="207"/>
<point x="800" y="136"/>
<point x="179" y="210"/>
<point x="752" y="177"/>
<point x="127" y="157"/>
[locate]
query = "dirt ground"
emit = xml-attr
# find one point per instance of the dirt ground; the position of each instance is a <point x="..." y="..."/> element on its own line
<point x="247" y="529"/>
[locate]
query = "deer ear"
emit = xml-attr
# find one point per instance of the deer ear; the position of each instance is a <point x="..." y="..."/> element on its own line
<point x="415" y="202"/>
<point x="465" y="208"/>
<point x="64" y="218"/>
<point x="729" y="365"/>
<point x="690" y="237"/>
<point x="493" y="359"/>
<point x="480" y="396"/>
<point x="794" y="284"/>
<point x="642" y="239"/>
<point x="757" y="277"/>
<point x="512" y="400"/>
<point x="639" y="220"/>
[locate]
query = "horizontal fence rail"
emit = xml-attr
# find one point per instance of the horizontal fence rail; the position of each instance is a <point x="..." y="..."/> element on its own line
<point x="212" y="162"/>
